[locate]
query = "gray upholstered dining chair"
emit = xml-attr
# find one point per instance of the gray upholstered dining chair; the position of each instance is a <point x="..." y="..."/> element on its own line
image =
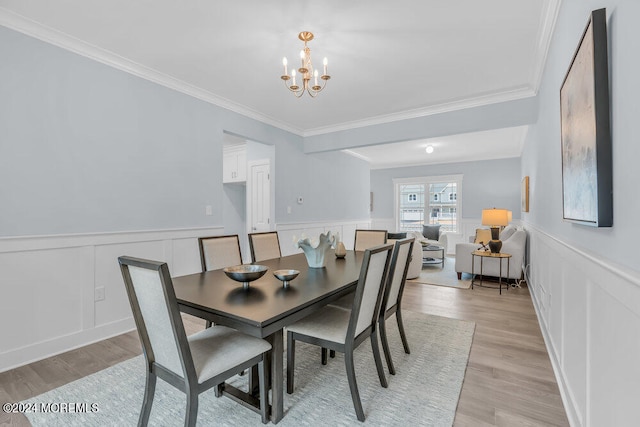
<point x="219" y="252"/>
<point x="191" y="364"/>
<point x="343" y="330"/>
<point x="264" y="246"/>
<point x="366" y="239"/>
<point x="392" y="299"/>
<point x="393" y="290"/>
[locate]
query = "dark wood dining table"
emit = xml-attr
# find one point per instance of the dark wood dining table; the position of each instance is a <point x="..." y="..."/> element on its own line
<point x="266" y="307"/>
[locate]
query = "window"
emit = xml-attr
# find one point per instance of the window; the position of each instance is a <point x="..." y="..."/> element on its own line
<point x="428" y="200"/>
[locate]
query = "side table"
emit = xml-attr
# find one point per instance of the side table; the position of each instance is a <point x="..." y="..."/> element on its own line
<point x="487" y="254"/>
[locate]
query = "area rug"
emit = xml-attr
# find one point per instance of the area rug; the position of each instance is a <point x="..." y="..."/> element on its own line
<point x="424" y="391"/>
<point x="433" y="274"/>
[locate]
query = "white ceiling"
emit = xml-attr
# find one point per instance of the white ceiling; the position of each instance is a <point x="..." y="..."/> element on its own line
<point x="388" y="60"/>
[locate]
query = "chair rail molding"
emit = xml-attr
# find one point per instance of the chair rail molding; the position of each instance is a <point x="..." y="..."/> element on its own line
<point x="588" y="309"/>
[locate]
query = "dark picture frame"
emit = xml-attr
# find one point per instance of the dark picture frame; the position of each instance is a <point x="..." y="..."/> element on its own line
<point x="587" y="176"/>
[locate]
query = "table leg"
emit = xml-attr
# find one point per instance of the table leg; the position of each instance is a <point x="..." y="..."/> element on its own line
<point x="277" y="375"/>
<point x="500" y="277"/>
<point x="473" y="270"/>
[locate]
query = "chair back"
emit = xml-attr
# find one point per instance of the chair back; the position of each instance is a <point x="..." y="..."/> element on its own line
<point x="397" y="276"/>
<point x="219" y="251"/>
<point x="155" y="310"/>
<point x="369" y="290"/>
<point x="366" y="239"/>
<point x="264" y="246"/>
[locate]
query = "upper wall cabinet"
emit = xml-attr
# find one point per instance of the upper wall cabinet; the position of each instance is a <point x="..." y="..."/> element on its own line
<point x="234" y="163"/>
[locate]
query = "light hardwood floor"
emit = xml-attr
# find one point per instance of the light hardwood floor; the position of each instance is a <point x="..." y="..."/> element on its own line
<point x="509" y="379"/>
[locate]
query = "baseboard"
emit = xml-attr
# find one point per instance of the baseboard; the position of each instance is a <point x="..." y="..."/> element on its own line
<point x="61" y="344"/>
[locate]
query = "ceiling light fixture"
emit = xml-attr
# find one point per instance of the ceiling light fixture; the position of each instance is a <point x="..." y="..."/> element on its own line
<point x="429" y="149"/>
<point x="306" y="70"/>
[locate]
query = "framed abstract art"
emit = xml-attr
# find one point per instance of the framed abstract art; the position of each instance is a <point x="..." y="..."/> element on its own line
<point x="585" y="130"/>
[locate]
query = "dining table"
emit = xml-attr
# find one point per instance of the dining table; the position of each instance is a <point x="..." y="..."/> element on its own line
<point x="265" y="307"/>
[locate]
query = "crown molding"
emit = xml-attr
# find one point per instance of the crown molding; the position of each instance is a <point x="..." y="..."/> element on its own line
<point x="357" y="155"/>
<point x="445" y="107"/>
<point x="547" y="25"/>
<point x="65" y="41"/>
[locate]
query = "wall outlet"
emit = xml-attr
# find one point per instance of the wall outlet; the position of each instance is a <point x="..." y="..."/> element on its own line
<point x="288" y="209"/>
<point x="208" y="210"/>
<point x="99" y="293"/>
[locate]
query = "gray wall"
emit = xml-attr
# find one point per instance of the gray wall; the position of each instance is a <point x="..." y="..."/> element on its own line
<point x="541" y="158"/>
<point x="485" y="184"/>
<point x="88" y="148"/>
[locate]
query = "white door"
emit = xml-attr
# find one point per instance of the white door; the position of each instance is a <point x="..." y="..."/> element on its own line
<point x="259" y="196"/>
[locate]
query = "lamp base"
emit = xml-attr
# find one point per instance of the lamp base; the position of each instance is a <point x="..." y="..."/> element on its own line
<point x="495" y="246"/>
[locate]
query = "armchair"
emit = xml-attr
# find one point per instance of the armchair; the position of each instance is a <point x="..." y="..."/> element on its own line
<point x="513" y="242"/>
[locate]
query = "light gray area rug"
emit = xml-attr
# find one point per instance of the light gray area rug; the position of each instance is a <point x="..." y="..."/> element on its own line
<point x="424" y="391"/>
<point x="433" y="274"/>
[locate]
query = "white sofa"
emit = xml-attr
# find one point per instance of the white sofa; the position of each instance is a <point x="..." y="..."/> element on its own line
<point x="513" y="242"/>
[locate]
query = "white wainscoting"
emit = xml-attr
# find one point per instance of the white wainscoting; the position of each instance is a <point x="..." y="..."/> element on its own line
<point x="589" y="312"/>
<point x="347" y="230"/>
<point x="48" y="286"/>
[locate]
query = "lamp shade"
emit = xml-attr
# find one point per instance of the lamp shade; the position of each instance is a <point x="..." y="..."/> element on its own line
<point x="509" y="216"/>
<point x="495" y="217"/>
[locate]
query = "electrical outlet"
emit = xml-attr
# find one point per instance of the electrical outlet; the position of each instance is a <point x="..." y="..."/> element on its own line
<point x="208" y="210"/>
<point x="99" y="293"/>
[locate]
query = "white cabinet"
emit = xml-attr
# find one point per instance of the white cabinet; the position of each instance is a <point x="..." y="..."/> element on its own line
<point x="234" y="163"/>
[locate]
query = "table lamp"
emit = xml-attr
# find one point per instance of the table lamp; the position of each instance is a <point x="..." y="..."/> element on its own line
<point x="495" y="218"/>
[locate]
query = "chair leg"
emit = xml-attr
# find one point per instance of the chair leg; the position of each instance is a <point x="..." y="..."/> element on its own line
<point x="262" y="378"/>
<point x="378" y="359"/>
<point x="353" y="385"/>
<point x="460" y="276"/>
<point x="323" y="355"/>
<point x="332" y="353"/>
<point x="291" y="352"/>
<point x="192" y="408"/>
<point x="209" y="324"/>
<point x="403" y="336"/>
<point x="385" y="345"/>
<point x="147" y="402"/>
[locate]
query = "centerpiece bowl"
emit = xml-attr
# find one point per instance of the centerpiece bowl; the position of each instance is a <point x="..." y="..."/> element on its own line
<point x="245" y="273"/>
<point x="286" y="276"/>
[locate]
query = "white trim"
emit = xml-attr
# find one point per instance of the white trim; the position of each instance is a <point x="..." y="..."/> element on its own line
<point x="317" y="224"/>
<point x="57" y="241"/>
<point x="427" y="180"/>
<point x="445" y="107"/>
<point x="65" y="41"/>
<point x="58" y="345"/>
<point x="548" y="23"/>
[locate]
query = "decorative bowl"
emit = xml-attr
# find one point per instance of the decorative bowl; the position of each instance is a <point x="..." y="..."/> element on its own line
<point x="245" y="273"/>
<point x="286" y="276"/>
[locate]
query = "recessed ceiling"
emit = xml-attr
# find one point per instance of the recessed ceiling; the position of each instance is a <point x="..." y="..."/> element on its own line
<point x="388" y="60"/>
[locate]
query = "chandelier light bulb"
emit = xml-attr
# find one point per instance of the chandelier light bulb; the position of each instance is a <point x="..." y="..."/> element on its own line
<point x="284" y="62"/>
<point x="429" y="149"/>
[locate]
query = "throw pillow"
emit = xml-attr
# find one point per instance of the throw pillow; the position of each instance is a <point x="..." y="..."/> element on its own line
<point x="507" y="232"/>
<point x="431" y="232"/>
<point x="482" y="235"/>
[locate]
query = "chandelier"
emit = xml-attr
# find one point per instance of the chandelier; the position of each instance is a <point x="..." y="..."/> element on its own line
<point x="306" y="70"/>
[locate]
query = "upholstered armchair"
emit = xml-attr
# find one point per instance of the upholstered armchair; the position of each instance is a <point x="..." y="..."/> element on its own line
<point x="513" y="242"/>
<point x="415" y="266"/>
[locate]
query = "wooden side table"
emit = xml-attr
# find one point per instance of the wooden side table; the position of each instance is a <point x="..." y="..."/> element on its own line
<point x="487" y="254"/>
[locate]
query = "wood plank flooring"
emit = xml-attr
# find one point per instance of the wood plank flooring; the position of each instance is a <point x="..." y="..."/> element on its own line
<point x="509" y="380"/>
